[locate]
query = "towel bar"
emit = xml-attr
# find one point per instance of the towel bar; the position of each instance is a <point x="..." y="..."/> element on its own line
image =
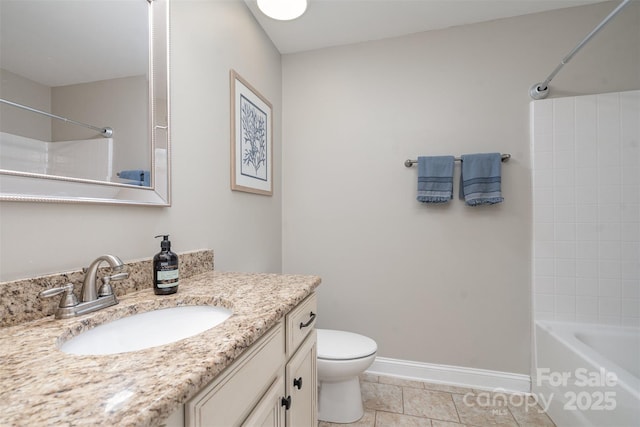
<point x="408" y="163"/>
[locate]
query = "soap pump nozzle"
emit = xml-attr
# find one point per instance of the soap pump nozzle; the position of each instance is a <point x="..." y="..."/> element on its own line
<point x="165" y="244"/>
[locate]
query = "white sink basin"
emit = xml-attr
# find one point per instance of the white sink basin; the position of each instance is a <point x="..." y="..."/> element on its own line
<point x="146" y="330"/>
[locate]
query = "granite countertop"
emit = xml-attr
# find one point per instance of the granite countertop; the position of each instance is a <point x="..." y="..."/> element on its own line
<point x="43" y="386"/>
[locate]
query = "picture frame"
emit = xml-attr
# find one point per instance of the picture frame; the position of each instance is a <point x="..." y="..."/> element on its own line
<point x="251" y="138"/>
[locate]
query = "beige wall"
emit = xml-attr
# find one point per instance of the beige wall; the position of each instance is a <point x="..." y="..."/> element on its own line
<point x="208" y="38"/>
<point x="26" y="92"/>
<point x="435" y="284"/>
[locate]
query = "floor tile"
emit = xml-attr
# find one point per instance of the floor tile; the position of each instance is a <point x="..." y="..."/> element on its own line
<point x="429" y="404"/>
<point x="447" y="388"/>
<point x="398" y="402"/>
<point x="382" y="397"/>
<point x="368" y="377"/>
<point x="388" y="419"/>
<point x="481" y="410"/>
<point x="367" y="420"/>
<point x="438" y="423"/>
<point x="400" y="382"/>
<point x="528" y="413"/>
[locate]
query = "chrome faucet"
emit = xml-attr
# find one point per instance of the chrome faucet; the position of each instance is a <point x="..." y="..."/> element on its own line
<point x="92" y="297"/>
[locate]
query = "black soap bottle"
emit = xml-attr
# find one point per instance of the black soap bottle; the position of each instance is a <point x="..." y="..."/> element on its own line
<point x="165" y="269"/>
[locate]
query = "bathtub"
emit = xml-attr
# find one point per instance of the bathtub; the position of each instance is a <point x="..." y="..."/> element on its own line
<point x="587" y="374"/>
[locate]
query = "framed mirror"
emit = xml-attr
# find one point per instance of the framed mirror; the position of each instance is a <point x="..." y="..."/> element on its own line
<point x="84" y="101"/>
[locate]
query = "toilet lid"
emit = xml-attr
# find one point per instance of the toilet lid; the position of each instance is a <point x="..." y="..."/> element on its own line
<point x="341" y="345"/>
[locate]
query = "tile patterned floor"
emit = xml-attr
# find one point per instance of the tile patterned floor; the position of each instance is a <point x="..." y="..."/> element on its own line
<point x="394" y="402"/>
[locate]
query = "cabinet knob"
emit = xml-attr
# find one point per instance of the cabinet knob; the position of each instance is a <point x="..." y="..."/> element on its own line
<point x="286" y="402"/>
<point x="297" y="382"/>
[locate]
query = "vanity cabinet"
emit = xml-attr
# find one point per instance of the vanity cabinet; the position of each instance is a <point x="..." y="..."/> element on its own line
<point x="272" y="384"/>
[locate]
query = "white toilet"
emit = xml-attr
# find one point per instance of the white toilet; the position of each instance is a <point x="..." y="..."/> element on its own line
<point x="342" y="357"/>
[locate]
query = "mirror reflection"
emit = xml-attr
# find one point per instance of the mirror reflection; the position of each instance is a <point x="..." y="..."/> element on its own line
<point x="70" y="72"/>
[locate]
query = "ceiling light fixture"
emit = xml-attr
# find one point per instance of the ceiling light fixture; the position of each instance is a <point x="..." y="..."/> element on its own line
<point x="283" y="10"/>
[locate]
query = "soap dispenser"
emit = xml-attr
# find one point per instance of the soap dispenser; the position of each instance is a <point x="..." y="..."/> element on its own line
<point x="165" y="269"/>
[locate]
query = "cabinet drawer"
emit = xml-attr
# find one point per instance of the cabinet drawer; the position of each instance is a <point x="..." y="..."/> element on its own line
<point x="300" y="321"/>
<point x="229" y="398"/>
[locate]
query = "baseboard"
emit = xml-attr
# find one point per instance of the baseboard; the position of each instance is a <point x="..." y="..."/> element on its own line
<point x="480" y="379"/>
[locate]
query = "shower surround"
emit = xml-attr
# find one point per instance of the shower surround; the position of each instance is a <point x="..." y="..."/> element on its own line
<point x="586" y="176"/>
<point x="586" y="258"/>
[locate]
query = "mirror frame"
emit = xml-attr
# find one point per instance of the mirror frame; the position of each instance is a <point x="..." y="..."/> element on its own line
<point x="31" y="187"/>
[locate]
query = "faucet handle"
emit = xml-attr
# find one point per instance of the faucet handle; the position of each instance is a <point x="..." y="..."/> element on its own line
<point x="117" y="276"/>
<point x="106" y="289"/>
<point x="68" y="298"/>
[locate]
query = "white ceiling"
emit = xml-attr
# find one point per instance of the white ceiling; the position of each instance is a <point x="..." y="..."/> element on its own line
<point x="337" y="22"/>
<point x="64" y="42"/>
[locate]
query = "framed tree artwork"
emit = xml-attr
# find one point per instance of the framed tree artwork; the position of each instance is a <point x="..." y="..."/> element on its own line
<point x="251" y="139"/>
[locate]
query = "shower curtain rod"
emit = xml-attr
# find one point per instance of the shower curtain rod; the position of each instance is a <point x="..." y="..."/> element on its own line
<point x="106" y="132"/>
<point x="541" y="90"/>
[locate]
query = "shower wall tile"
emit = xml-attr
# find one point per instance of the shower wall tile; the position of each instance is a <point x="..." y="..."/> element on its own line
<point x="610" y="288"/>
<point x="586" y="286"/>
<point x="586" y="250"/>
<point x="565" y="250"/>
<point x="609" y="307"/>
<point x="545" y="302"/>
<point x="630" y="231"/>
<point x="565" y="304"/>
<point x="630" y="271"/>
<point x="565" y="231"/>
<point x="631" y="289"/>
<point x="544" y="160"/>
<point x="563" y="115"/>
<point x="630" y="251"/>
<point x="630" y="308"/>
<point x="586" y="187"/>
<point x="587" y="306"/>
<point x="565" y="285"/>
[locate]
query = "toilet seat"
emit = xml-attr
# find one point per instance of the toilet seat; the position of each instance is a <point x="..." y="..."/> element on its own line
<point x="342" y="345"/>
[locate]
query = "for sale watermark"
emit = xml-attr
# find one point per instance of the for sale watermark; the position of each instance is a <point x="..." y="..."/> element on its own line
<point x="577" y="390"/>
<point x="585" y="390"/>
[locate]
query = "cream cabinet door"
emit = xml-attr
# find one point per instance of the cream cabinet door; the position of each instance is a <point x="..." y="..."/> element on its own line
<point x="231" y="397"/>
<point x="301" y="385"/>
<point x="270" y="411"/>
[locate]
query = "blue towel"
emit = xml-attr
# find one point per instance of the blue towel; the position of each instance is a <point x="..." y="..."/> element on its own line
<point x="136" y="174"/>
<point x="435" y="179"/>
<point x="139" y="176"/>
<point x="480" y="180"/>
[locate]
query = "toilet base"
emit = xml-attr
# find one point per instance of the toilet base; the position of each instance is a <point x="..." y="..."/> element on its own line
<point x="340" y="401"/>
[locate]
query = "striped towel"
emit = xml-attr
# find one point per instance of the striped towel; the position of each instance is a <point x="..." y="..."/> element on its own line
<point x="435" y="179"/>
<point x="480" y="180"/>
<point x="139" y="177"/>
